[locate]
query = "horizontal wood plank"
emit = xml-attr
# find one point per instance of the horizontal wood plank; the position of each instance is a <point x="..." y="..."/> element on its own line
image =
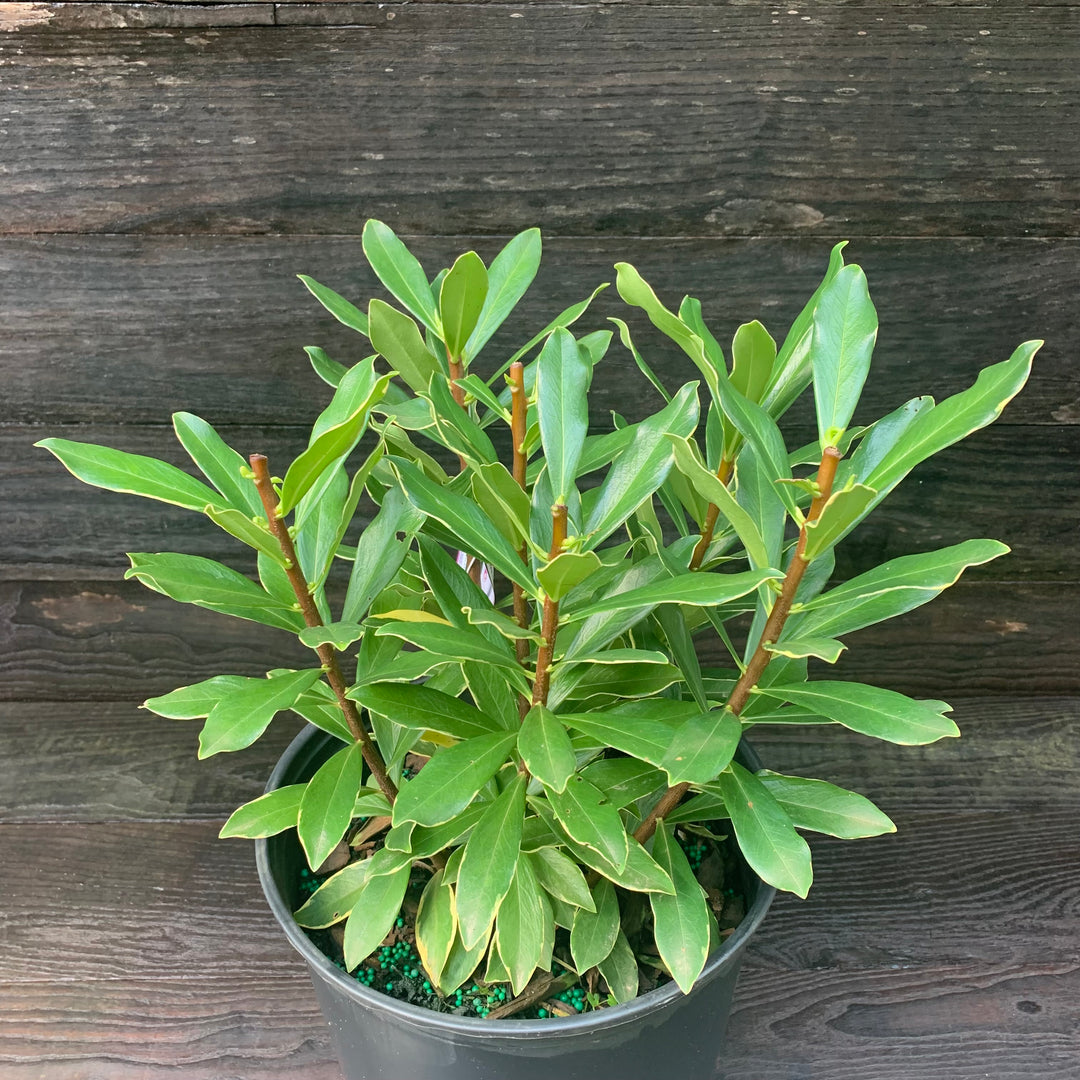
<point x="128" y="329"/>
<point x="109" y="761"/>
<point x="86" y="15"/>
<point x="60" y="528"/>
<point x="89" y="641"/>
<point x="448" y="118"/>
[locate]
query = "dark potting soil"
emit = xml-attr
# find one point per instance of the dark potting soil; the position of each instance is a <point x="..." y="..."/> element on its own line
<point x="395" y="969"/>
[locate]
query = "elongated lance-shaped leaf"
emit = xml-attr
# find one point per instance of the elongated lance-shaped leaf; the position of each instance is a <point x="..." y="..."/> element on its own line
<point x="424" y="709"/>
<point x="623" y="779"/>
<point x="244" y="713"/>
<point x="397" y="338"/>
<point x="643" y="367"/>
<point x="562" y="877"/>
<point x="435" y="926"/>
<point x="317" y="536"/>
<point x="593" y="934"/>
<point x="767" y="838"/>
<point x="546" y="748"/>
<point x="620" y="971"/>
<point x="345" y="312"/>
<point x="335" y="897"/>
<point x="566" y="571"/>
<point x="642" y="467"/>
<point x="267" y="815"/>
<point x="133" y="474"/>
<point x="192" y="579"/>
<point x="488" y="865"/>
<point x="373" y="914"/>
<point x="591" y="820"/>
<point x="461" y="300"/>
<point x="456" y="427"/>
<point x="520" y="927"/>
<point x="701" y="747"/>
<point x="791" y="372"/>
<point x="870" y="710"/>
<point x="510" y="274"/>
<point x="879" y="440"/>
<point x="844" y="510"/>
<point x="753" y="353"/>
<point x="219" y="462"/>
<point x="681" y="922"/>
<point x="563" y="373"/>
<point x="327" y="805"/>
<point x="451" y="779"/>
<point x="238" y="524"/>
<point x="398" y="269"/>
<point x="478" y="535"/>
<point x="196" y="701"/>
<point x="327" y="368"/>
<point x="827" y="649"/>
<point x="841" y="343"/>
<point x="891" y="589"/>
<point x="826" y="808"/>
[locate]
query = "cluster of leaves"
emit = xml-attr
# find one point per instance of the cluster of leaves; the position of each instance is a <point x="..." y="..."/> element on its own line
<point x="569" y="728"/>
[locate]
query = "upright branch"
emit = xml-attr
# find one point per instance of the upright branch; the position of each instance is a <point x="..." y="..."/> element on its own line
<point x="709" y="525"/>
<point x="774" y="626"/>
<point x="518" y="411"/>
<point x="549" y="620"/>
<point x="308" y="608"/>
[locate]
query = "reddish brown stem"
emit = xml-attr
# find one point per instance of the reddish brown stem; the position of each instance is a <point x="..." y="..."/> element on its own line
<point x="709" y="525"/>
<point x="774" y="626"/>
<point x="549" y="619"/>
<point x="308" y="608"/>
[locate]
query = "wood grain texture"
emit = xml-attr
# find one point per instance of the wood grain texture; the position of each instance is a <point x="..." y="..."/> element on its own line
<point x="112" y="328"/>
<point x="59" y="528"/>
<point x="912" y="120"/>
<point x="86" y="15"/>
<point x="90" y="641"/>
<point x="114" y="762"/>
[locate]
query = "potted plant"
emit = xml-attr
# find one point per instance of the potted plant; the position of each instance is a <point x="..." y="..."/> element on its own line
<point x="523" y="832"/>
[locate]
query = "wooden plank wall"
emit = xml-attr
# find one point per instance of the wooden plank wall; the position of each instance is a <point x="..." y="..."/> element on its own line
<point x="165" y="171"/>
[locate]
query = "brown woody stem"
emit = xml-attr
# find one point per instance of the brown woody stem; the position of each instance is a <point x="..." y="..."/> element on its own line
<point x="549" y="619"/>
<point x="774" y="626"/>
<point x="541" y="987"/>
<point x="518" y="411"/>
<point x="709" y="525"/>
<point x="308" y="608"/>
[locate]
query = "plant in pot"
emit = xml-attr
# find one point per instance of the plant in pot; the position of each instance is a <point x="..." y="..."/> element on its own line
<point x="523" y="831"/>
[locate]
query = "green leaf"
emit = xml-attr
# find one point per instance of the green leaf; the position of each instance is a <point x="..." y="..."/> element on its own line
<point x="590" y="820"/>
<point x="879" y="439"/>
<point x="709" y="487"/>
<point x="487" y="867"/>
<point x="335" y="897"/>
<point x="753" y="353"/>
<point x="435" y="926"/>
<point x="680" y="922"/>
<point x="619" y="682"/>
<point x="461" y="964"/>
<point x="625" y="338"/>
<point x="238" y="524"/>
<point x="594" y="932"/>
<point x="371" y="803"/>
<point x="696" y="590"/>
<point x="475" y="387"/>
<point x="520" y="925"/>
<point x="132" y="474"/>
<point x="328" y="369"/>
<point x="563" y="373"/>
<point x="892" y="588"/>
<point x="841" y="344"/>
<point x="824" y="648"/>
<point x="364" y="388"/>
<point x="844" y="509"/>
<point x="326" y="809"/>
<point x="701" y="747"/>
<point x="510" y="274"/>
<point x="642" y="467"/>
<point x="219" y="462"/>
<point x="398" y="269"/>
<point x="871" y="710"/>
<point x="461" y="516"/>
<point x="396" y="337"/>
<point x="195" y="701"/>
<point x="935" y="428"/>
<point x="566" y="571"/>
<point x="245" y="712"/>
<point x="620" y="971"/>
<point x="373" y="914"/>
<point x="348" y="314"/>
<point x="379" y="554"/>
<point x="546" y="748"/>
<point x="427" y="841"/>
<point x="319" y="706"/>
<point x="562" y="877"/>
<point x="452" y="779"/>
<point x="205" y="583"/>
<point x="624" y="780"/>
<point x="461" y="300"/>
<point x="826" y="808"/>
<point x="319" y="538"/>
<point x="456" y="427"/>
<point x="267" y="815"/>
<point x="772" y="847"/>
<point x="638" y="736"/>
<point x="422" y="708"/>
<point x="339" y="634"/>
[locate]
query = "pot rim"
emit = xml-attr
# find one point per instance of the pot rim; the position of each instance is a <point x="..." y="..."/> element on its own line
<point x="467" y="1026"/>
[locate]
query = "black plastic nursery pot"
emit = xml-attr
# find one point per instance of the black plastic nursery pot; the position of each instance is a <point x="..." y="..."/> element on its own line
<point x="377" y="1037"/>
